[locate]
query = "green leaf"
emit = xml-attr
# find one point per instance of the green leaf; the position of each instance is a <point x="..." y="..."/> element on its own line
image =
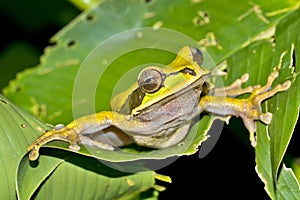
<point x="270" y="151"/>
<point x="17" y="130"/>
<point x="258" y="64"/>
<point x="30" y="177"/>
<point x="287" y="39"/>
<point x="262" y="58"/>
<point x="263" y="160"/>
<point x="287" y="186"/>
<point x="241" y="35"/>
<point x="78" y="177"/>
<point x="296" y="168"/>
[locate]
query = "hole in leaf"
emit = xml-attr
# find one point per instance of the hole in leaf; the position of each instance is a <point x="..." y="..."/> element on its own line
<point x="23" y="125"/>
<point x="201" y="19"/>
<point x="273" y="39"/>
<point x="17" y="89"/>
<point x="294" y="58"/>
<point x="52" y="43"/>
<point x="181" y="144"/>
<point x="40" y="110"/>
<point x="71" y="43"/>
<point x="90" y="17"/>
<point x="3" y="101"/>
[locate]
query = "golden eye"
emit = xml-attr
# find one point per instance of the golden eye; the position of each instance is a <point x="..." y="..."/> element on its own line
<point x="150" y="80"/>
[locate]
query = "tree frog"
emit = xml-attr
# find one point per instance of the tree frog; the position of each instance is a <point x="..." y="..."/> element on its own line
<point x="158" y="110"/>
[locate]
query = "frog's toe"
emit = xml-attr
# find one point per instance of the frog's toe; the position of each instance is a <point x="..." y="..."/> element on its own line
<point x="74" y="147"/>
<point x="266" y="117"/>
<point x="249" y="124"/>
<point x="244" y="78"/>
<point x="235" y="89"/>
<point x="251" y="127"/>
<point x="34" y="154"/>
<point x="253" y="139"/>
<point x="286" y="85"/>
<point x="274" y="75"/>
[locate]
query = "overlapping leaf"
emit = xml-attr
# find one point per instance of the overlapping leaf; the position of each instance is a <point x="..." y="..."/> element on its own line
<point x="78" y="178"/>
<point x="17" y="128"/>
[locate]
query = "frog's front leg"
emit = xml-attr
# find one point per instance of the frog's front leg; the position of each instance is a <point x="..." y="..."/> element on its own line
<point x="72" y="133"/>
<point x="235" y="89"/>
<point x="248" y="109"/>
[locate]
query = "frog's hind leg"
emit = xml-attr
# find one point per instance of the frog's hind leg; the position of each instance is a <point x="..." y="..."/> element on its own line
<point x="72" y="133"/>
<point x="87" y="141"/>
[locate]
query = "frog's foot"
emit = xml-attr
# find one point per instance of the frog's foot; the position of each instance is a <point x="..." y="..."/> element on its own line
<point x="58" y="133"/>
<point x="252" y="105"/>
<point x="235" y="89"/>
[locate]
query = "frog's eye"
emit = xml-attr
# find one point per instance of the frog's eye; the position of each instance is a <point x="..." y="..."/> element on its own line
<point x="150" y="80"/>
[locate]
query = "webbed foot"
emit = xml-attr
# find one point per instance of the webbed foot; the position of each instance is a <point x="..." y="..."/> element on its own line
<point x="248" y="109"/>
<point x="235" y="89"/>
<point x="252" y="105"/>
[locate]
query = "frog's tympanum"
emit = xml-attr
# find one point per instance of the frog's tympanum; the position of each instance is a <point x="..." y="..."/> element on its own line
<point x="158" y="110"/>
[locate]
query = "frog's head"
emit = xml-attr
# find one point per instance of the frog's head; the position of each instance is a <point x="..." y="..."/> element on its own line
<point x="157" y="84"/>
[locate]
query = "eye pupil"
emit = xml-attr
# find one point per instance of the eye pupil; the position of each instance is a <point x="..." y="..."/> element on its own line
<point x="150" y="84"/>
<point x="150" y="80"/>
